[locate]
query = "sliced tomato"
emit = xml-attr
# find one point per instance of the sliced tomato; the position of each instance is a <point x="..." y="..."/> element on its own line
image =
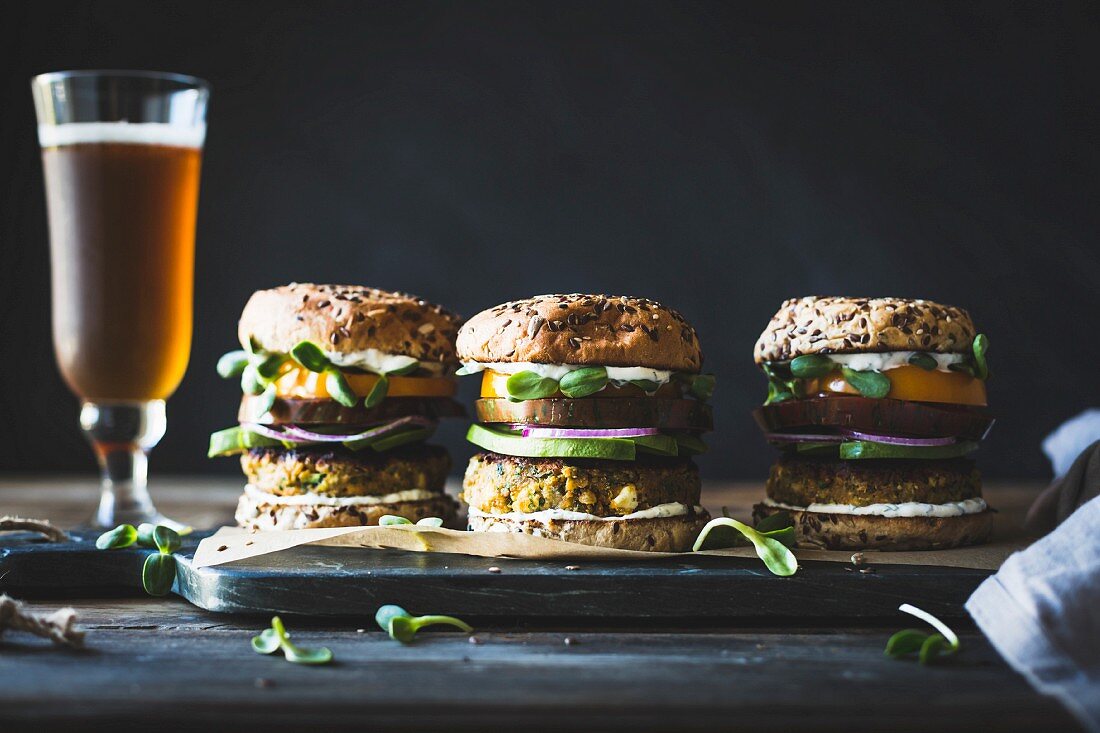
<point x="913" y="384"/>
<point x="494" y="386"/>
<point x="300" y="383"/>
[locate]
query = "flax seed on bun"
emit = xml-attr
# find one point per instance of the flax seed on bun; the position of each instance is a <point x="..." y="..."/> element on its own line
<point x="606" y="330"/>
<point x="826" y="531"/>
<point x="658" y="534"/>
<point x="348" y="318"/>
<point x="841" y="325"/>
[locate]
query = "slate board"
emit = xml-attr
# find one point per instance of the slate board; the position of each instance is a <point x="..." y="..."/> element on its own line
<point x="339" y="581"/>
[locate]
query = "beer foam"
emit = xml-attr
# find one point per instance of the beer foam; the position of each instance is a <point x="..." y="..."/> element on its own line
<point x="134" y="133"/>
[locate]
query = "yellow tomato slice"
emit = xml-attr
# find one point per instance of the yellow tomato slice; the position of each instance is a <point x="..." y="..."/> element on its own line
<point x="914" y="385"/>
<point x="296" y="382"/>
<point x="494" y="386"/>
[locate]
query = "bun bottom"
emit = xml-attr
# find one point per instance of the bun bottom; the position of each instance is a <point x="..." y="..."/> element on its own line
<point x="262" y="515"/>
<point x="659" y="534"/>
<point x="823" y="531"/>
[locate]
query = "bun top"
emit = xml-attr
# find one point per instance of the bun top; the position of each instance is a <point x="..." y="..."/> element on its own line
<point x="605" y="330"/>
<point x="348" y="318"/>
<point x="837" y="325"/>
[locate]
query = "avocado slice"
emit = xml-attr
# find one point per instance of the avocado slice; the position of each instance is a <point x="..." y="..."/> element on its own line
<point x="616" y="449"/>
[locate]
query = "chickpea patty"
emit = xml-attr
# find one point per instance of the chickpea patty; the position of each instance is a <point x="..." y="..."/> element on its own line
<point x="343" y="472"/>
<point x="499" y="484"/>
<point x="802" y="481"/>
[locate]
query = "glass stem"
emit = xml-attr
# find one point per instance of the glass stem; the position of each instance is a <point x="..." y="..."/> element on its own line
<point x="122" y="433"/>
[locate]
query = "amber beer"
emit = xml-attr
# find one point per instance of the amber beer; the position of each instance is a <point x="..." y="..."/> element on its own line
<point x="122" y="201"/>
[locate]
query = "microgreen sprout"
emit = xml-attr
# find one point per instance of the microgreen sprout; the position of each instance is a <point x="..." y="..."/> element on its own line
<point x="776" y="556"/>
<point x="391" y="520"/>
<point x="402" y="626"/>
<point x="272" y="639"/>
<point x="928" y="647"/>
<point x="159" y="570"/>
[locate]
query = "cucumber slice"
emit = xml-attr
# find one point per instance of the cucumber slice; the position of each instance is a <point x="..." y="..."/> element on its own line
<point x="855" y="449"/>
<point x="510" y="444"/>
<point x="231" y="441"/>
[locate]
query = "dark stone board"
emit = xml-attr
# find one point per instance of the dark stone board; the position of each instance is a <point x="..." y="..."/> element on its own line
<point x="335" y="581"/>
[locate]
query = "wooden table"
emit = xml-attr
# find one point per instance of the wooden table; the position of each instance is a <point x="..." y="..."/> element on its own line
<point x="165" y="663"/>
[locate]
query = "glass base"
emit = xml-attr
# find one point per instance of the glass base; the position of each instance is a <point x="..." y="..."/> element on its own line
<point x="122" y="433"/>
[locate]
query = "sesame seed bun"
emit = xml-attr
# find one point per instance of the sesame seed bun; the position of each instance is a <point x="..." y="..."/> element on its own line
<point x="257" y="515"/>
<point x="838" y="325"/>
<point x="825" y="531"/>
<point x="600" y="330"/>
<point x="348" y="318"/>
<point x="660" y="534"/>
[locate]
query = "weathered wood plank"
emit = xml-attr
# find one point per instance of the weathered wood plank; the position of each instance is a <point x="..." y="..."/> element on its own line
<point x="645" y="681"/>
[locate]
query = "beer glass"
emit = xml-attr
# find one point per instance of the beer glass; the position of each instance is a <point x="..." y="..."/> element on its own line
<point x="121" y="152"/>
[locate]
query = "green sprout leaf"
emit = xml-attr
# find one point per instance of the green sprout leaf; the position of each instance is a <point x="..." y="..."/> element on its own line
<point x="267" y="366"/>
<point x="232" y="363"/>
<point x="378" y="392"/>
<point x="337" y="386"/>
<point x="702" y="386"/>
<point x="430" y="522"/>
<point x="158" y="573"/>
<point x="776" y="556"/>
<point x="276" y="637"/>
<point x="529" y="386"/>
<point x="145" y="535"/>
<point x="779" y="520"/>
<point x="310" y="355"/>
<point x="166" y="539"/>
<point x="980" y="347"/>
<point x="250" y="381"/>
<point x="906" y="641"/>
<point x="466" y="370"/>
<point x="869" y="384"/>
<point x="266" y="401"/>
<point x="928" y="647"/>
<point x="925" y="361"/>
<point x="389" y="520"/>
<point x="266" y="643"/>
<point x="582" y="382"/>
<point x="646" y="385"/>
<point x="809" y="366"/>
<point x="121" y="536"/>
<point x="402" y="626"/>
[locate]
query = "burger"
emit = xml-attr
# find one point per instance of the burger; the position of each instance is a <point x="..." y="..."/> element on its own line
<point x="876" y="405"/>
<point x="591" y="408"/>
<point x="342" y="387"/>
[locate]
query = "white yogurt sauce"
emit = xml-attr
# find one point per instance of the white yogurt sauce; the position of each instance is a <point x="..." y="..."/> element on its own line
<point x="557" y="371"/>
<point x="674" y="509"/>
<point x="378" y="362"/>
<point x="892" y="360"/>
<point x="904" y="509"/>
<point x="311" y="499"/>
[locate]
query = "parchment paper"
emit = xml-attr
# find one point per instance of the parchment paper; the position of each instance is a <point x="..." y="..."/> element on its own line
<point x="231" y="543"/>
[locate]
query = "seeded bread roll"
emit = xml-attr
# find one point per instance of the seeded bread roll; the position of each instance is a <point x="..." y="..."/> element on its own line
<point x="348" y="318"/>
<point x="823" y="531"/>
<point x="660" y="534"/>
<point x="836" y="325"/>
<point x="261" y="515"/>
<point x="600" y="330"/>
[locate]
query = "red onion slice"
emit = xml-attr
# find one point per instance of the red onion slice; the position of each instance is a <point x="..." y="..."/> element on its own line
<point x="530" y="432"/>
<point x="803" y="438"/>
<point x="846" y="434"/>
<point x="268" y="432"/>
<point x="897" y="440"/>
<point x="298" y="434"/>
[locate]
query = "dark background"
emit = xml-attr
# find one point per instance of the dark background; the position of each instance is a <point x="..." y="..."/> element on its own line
<point x="717" y="157"/>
